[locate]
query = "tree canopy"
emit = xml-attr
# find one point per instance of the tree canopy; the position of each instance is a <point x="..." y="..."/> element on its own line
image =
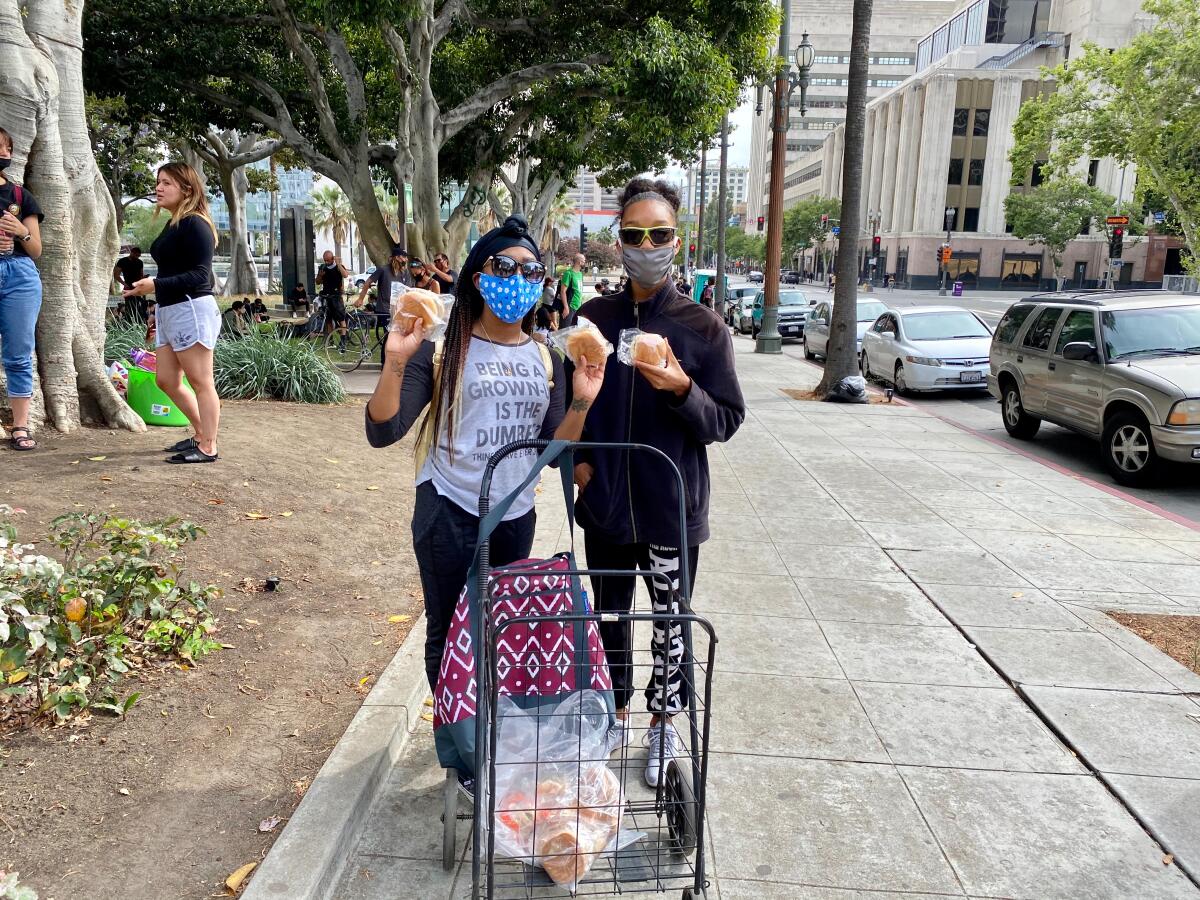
<point x="1056" y="212"/>
<point x="802" y="223"/>
<point x="1139" y="103"/>
<point x="429" y="93"/>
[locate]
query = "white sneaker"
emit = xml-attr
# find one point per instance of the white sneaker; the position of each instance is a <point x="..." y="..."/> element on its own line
<point x="619" y="737"/>
<point x="665" y="742"/>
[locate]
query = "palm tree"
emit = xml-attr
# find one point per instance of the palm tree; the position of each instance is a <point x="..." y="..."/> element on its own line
<point x="561" y="213"/>
<point x="331" y="211"/>
<point x="841" y="361"/>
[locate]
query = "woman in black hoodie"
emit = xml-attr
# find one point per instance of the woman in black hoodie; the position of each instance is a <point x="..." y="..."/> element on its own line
<point x="628" y="503"/>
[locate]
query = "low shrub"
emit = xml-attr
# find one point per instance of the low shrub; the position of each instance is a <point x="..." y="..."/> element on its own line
<point x="112" y="601"/>
<point x="260" y="365"/>
<point x="265" y="365"/>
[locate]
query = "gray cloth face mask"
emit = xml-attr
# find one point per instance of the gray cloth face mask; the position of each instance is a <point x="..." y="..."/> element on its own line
<point x="648" y="268"/>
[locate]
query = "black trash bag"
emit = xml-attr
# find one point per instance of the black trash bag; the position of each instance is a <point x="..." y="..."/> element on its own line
<point x="852" y="389"/>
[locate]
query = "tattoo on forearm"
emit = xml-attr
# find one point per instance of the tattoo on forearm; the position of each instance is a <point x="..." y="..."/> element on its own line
<point x="397" y="368"/>
<point x="580" y="405"/>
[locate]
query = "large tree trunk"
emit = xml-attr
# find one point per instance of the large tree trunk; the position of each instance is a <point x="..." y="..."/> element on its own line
<point x="41" y="105"/>
<point x="229" y="153"/>
<point x="843" y="329"/>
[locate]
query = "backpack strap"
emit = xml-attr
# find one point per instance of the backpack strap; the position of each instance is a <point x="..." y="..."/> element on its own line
<point x="548" y="362"/>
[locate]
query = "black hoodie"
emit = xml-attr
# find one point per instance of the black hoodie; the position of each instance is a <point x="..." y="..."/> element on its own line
<point x="631" y="497"/>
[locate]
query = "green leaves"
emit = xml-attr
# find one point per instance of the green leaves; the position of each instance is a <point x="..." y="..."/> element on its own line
<point x="802" y="223"/>
<point x="1055" y="212"/>
<point x="74" y="626"/>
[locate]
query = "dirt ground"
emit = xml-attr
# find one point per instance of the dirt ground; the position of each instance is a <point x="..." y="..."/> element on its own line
<point x="165" y="805"/>
<point x="1176" y="636"/>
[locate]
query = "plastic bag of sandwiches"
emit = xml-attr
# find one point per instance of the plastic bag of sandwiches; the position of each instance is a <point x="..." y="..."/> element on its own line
<point x="580" y="340"/>
<point x="558" y="804"/>
<point x="411" y="305"/>
<point x="635" y="345"/>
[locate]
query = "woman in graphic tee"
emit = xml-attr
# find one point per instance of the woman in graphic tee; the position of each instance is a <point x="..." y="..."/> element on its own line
<point x="492" y="385"/>
<point x="187" y="319"/>
<point x="20" y="294"/>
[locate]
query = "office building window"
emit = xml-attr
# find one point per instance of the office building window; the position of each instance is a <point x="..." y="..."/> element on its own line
<point x="1093" y="171"/>
<point x="956" y="171"/>
<point x="971" y="218"/>
<point x="964" y="267"/>
<point x="1038" y="175"/>
<point x="1016" y="21"/>
<point x="833" y="58"/>
<point x="961" y="115"/>
<point x="1019" y="269"/>
<point x="982" y="116"/>
<point x="884" y="82"/>
<point x="975" y="172"/>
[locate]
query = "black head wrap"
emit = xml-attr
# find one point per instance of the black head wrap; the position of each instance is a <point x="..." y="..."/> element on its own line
<point x="513" y="233"/>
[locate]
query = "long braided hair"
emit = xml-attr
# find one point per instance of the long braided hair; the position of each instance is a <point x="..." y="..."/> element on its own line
<point x="466" y="311"/>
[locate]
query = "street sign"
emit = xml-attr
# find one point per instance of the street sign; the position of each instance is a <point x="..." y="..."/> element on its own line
<point x="946" y="254"/>
<point x="1159" y="218"/>
<point x="1117" y="220"/>
<point x="874" y="260"/>
<point x="836" y="229"/>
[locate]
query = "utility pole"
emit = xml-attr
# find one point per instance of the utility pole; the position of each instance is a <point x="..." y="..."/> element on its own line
<point x="687" y="229"/>
<point x="722" y="217"/>
<point x="700" y="213"/>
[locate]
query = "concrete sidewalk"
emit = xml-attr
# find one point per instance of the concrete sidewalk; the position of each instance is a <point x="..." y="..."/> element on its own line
<point x="949" y="712"/>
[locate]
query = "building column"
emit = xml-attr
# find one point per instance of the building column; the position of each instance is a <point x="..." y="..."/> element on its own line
<point x="884" y="125"/>
<point x="997" y="172"/>
<point x="868" y="169"/>
<point x="906" y="167"/>
<point x="929" y="214"/>
<point x="826" y="165"/>
<point x="839" y="150"/>
<point x="887" y="197"/>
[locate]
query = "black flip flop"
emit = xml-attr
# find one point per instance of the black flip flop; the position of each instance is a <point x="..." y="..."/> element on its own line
<point x="182" y="446"/>
<point x="193" y="456"/>
<point x="21" y="443"/>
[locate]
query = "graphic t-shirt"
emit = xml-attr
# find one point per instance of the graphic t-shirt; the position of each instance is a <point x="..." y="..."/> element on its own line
<point x="505" y="396"/>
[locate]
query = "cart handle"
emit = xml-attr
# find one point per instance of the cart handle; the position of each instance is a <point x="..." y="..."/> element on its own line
<point x="489" y="518"/>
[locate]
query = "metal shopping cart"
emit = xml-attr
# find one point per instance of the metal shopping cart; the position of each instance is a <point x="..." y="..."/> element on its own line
<point x="668" y="820"/>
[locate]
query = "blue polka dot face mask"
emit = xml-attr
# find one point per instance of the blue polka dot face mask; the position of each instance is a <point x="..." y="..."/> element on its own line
<point x="510" y="298"/>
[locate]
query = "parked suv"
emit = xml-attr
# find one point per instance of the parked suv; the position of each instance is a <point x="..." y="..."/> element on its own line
<point x="1122" y="367"/>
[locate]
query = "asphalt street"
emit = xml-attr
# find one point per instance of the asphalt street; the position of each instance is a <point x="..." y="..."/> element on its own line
<point x="977" y="411"/>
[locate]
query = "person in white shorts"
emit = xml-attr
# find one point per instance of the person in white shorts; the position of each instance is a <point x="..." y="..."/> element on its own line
<point x="188" y="320"/>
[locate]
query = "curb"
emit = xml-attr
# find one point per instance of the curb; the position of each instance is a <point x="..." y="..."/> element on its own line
<point x="306" y="861"/>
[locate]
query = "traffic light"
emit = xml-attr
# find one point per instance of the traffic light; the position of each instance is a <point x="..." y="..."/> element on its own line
<point x="875" y="241"/>
<point x="761" y="221"/>
<point x="582" y="238"/>
<point x="1116" y="242"/>
<point x="824" y="221"/>
<point x="691" y="248"/>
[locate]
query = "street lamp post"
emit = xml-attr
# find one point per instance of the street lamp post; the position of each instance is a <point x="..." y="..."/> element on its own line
<point x="787" y="80"/>
<point x="950" y="213"/>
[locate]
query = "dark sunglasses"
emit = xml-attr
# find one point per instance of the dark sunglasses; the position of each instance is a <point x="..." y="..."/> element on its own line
<point x="506" y="267"/>
<point x="659" y="237"/>
<point x="415" y="264"/>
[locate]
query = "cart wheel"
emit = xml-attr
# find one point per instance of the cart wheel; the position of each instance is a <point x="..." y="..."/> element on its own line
<point x="681" y="811"/>
<point x="449" y="819"/>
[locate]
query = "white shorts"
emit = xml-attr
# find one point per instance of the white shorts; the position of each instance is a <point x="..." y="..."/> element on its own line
<point x="183" y="325"/>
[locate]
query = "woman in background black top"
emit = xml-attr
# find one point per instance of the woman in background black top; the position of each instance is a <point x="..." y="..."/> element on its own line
<point x="188" y="319"/>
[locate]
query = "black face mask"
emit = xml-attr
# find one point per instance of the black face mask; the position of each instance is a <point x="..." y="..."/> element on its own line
<point x="5" y="162"/>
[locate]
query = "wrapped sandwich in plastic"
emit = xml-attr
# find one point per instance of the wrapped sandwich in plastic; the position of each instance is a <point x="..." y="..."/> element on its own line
<point x="635" y="346"/>
<point x="558" y="804"/>
<point x="580" y="340"/>
<point x="412" y="305"/>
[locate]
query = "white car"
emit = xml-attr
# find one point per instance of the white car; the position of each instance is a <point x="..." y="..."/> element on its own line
<point x="361" y="278"/>
<point x="816" y="332"/>
<point x="928" y="348"/>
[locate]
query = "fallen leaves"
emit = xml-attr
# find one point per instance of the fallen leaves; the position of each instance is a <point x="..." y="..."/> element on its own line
<point x="124" y="792"/>
<point x="372" y="487"/>
<point x="97" y="458"/>
<point x="1168" y="858"/>
<point x="333" y="462"/>
<point x="286" y="514"/>
<point x="399" y="620"/>
<point x="269" y="824"/>
<point x="256" y="515"/>
<point x="233" y="883"/>
<point x="216" y="501"/>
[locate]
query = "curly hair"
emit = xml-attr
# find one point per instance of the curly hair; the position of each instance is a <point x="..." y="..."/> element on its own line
<point x="640" y="186"/>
